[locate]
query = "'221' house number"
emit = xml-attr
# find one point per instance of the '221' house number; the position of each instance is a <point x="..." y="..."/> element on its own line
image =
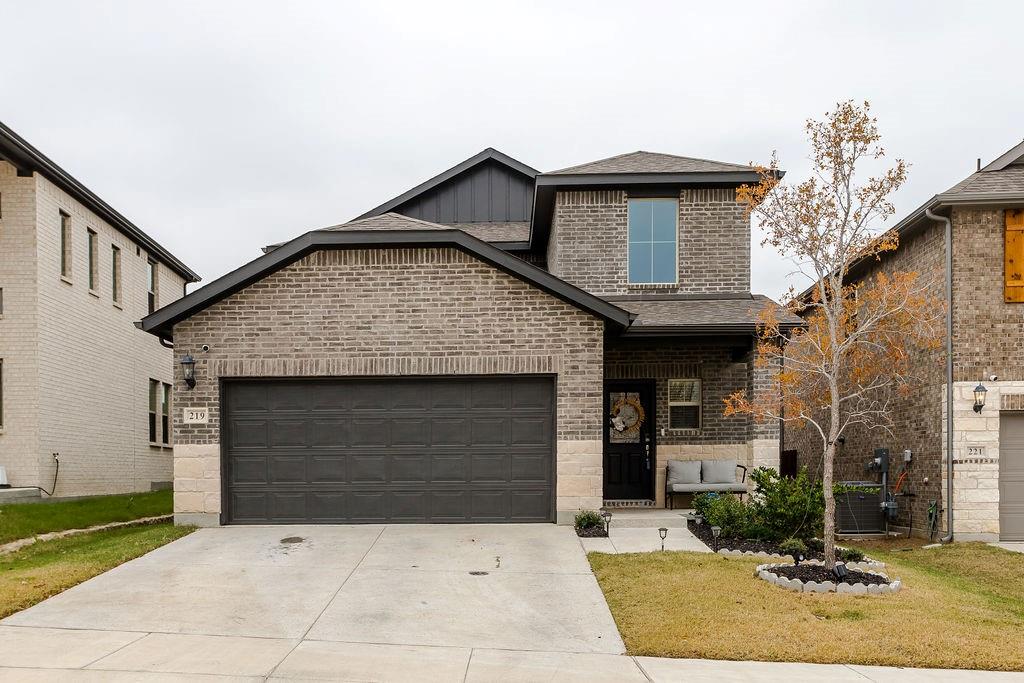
<point x="196" y="416"/>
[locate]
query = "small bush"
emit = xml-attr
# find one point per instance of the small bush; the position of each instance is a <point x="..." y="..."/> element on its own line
<point x="588" y="519"/>
<point x="702" y="502"/>
<point x="794" y="547"/>
<point x="850" y="555"/>
<point x="816" y="544"/>
<point x="786" y="507"/>
<point x="731" y="514"/>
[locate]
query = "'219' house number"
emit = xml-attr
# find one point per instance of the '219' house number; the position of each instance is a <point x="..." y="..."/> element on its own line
<point x="196" y="416"/>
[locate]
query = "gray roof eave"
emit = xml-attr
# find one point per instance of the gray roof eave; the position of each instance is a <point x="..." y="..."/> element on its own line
<point x="27" y="158"/>
<point x="161" y="322"/>
<point x="724" y="177"/>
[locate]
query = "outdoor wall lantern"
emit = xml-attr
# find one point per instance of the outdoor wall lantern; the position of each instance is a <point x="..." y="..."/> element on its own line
<point x="607" y="517"/>
<point x="663" y="532"/>
<point x="188" y="370"/>
<point x="979" y="397"/>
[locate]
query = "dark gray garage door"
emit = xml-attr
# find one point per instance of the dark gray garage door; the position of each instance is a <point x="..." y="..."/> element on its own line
<point x="395" y="450"/>
<point x="1011" y="476"/>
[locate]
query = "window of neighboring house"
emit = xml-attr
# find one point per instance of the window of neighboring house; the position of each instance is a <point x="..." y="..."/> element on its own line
<point x="154" y="393"/>
<point x="684" y="401"/>
<point x="1" y="393"/>
<point x="165" y="414"/>
<point x="1" y="300"/>
<point x="151" y="283"/>
<point x="65" y="244"/>
<point x="115" y="272"/>
<point x="653" y="241"/>
<point x="94" y="255"/>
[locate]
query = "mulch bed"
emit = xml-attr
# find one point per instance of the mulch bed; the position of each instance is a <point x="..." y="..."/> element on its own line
<point x="817" y="572"/>
<point x="703" y="532"/>
<point x="592" y="532"/>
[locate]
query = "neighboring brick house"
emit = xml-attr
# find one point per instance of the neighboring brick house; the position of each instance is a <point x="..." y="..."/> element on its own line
<point x="987" y="277"/>
<point x="495" y="344"/>
<point x="76" y="377"/>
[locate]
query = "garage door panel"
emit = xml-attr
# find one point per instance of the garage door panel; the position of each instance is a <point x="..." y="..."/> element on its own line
<point x="450" y="431"/>
<point x="490" y="431"/>
<point x="249" y="434"/>
<point x="288" y="469"/>
<point x="403" y="450"/>
<point x="1011" y="476"/>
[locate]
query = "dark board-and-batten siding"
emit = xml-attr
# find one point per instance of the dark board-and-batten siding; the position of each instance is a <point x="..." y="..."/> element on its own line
<point x="487" y="193"/>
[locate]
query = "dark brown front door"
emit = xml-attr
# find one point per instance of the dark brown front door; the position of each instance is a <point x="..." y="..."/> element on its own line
<point x="629" y="440"/>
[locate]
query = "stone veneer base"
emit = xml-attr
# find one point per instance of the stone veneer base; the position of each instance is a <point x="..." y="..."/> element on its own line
<point x="764" y="573"/>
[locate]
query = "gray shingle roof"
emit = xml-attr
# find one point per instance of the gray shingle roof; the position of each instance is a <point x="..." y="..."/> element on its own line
<point x="651" y="162"/>
<point x="488" y="232"/>
<point x="741" y="314"/>
<point x="1009" y="179"/>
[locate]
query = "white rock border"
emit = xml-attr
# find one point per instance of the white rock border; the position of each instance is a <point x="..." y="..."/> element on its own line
<point x="867" y="564"/>
<point x="763" y="572"/>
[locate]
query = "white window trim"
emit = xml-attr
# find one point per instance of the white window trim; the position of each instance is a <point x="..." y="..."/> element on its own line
<point x="675" y="252"/>
<point x="699" y="403"/>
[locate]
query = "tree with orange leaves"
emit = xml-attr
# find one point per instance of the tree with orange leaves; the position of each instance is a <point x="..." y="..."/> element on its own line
<point x="853" y="356"/>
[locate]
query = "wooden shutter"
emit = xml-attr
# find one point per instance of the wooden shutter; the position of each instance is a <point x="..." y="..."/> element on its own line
<point x="1013" y="289"/>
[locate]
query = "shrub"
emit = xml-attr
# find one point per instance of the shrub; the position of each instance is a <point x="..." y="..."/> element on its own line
<point x="850" y="555"/>
<point x="731" y="514"/>
<point x="588" y="519"/>
<point x="816" y="544"/>
<point x="786" y="508"/>
<point x="794" y="547"/>
<point x="702" y="502"/>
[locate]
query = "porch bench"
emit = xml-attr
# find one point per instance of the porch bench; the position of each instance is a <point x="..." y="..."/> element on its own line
<point x="703" y="476"/>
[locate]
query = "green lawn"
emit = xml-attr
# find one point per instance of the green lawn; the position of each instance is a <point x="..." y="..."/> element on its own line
<point x="962" y="606"/>
<point x="46" y="568"/>
<point x="31" y="519"/>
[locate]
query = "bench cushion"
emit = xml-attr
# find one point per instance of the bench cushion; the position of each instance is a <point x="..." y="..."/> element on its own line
<point x="734" y="487"/>
<point x="683" y="472"/>
<point x="718" y="471"/>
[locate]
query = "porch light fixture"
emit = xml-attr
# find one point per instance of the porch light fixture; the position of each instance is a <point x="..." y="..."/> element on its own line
<point x="607" y="517"/>
<point x="663" y="532"/>
<point x="979" y="397"/>
<point x="716" y="531"/>
<point x="188" y="370"/>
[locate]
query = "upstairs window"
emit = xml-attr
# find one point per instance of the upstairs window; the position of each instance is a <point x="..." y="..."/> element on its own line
<point x="653" y="241"/>
<point x="684" y="402"/>
<point x="151" y="284"/>
<point x="115" y="273"/>
<point x="94" y="255"/>
<point x="65" y="244"/>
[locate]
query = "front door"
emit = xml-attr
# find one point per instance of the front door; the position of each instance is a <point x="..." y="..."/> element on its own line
<point x="629" y="440"/>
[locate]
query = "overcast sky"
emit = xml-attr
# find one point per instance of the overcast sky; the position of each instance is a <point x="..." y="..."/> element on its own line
<point x="219" y="127"/>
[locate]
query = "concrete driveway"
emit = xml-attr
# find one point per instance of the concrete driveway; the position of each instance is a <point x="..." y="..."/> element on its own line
<point x="348" y="602"/>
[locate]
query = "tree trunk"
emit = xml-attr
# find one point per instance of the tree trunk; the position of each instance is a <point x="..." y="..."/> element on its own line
<point x="830" y="507"/>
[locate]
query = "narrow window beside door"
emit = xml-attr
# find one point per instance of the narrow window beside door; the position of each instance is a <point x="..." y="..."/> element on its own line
<point x="165" y="414"/>
<point x="684" y="402"/>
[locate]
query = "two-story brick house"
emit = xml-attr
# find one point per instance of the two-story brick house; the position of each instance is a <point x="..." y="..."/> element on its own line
<point x="495" y="344"/>
<point x="980" y="253"/>
<point x="78" y="381"/>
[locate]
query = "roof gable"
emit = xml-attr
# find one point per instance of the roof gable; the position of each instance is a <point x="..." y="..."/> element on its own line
<point x="161" y="322"/>
<point x="487" y="187"/>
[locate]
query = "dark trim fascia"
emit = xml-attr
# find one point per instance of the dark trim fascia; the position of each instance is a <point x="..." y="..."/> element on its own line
<point x="28" y="159"/>
<point x="161" y="322"/>
<point x="512" y="246"/>
<point x="488" y="154"/>
<point x="654" y="296"/>
<point x="590" y="179"/>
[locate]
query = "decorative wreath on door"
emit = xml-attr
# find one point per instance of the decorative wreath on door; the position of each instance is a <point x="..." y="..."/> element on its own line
<point x="627" y="415"/>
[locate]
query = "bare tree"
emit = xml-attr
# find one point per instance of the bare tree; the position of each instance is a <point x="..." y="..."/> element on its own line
<point x="853" y="357"/>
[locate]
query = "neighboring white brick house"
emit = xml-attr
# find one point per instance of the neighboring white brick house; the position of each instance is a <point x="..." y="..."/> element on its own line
<point x="75" y="374"/>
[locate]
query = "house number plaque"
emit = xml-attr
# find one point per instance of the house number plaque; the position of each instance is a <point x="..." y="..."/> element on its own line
<point x="196" y="416"/>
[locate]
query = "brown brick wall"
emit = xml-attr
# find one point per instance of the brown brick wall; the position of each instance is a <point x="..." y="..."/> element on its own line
<point x="588" y="245"/>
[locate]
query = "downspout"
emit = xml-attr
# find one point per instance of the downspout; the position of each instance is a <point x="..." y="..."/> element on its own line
<point x="949" y="372"/>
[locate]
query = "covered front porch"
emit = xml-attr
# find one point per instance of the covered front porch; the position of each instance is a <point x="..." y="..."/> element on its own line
<point x="664" y="401"/>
